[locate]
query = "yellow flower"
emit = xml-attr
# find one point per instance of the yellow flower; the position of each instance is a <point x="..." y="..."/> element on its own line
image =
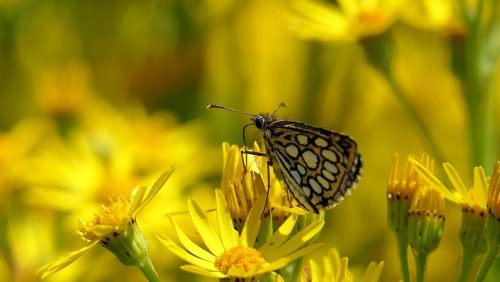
<point x="425" y="225"/>
<point x="238" y="256"/>
<point x="242" y="188"/>
<point x="401" y="190"/>
<point x="109" y="150"/>
<point x="115" y="227"/>
<point x="335" y="269"/>
<point x="473" y="204"/>
<point x="426" y="219"/>
<point x="472" y="200"/>
<point x="349" y="21"/>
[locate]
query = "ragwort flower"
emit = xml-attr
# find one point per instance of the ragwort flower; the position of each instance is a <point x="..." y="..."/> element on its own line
<point x="241" y="187"/>
<point x="235" y="256"/>
<point x="114" y="227"/>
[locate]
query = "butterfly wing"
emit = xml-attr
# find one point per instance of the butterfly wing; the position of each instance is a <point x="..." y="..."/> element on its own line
<point x="319" y="166"/>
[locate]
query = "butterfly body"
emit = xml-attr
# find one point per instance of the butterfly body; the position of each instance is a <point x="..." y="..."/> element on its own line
<point x="319" y="166"/>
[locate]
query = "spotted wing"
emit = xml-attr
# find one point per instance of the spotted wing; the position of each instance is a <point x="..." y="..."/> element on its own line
<point x="319" y="166"/>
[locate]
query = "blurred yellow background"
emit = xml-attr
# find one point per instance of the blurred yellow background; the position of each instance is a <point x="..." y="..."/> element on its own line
<point x="97" y="97"/>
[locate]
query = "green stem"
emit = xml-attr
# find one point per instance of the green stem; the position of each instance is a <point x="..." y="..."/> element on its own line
<point x="148" y="270"/>
<point x="291" y="272"/>
<point x="476" y="92"/>
<point x="421" y="258"/>
<point x="487" y="262"/>
<point x="379" y="51"/>
<point x="403" y="256"/>
<point x="465" y="265"/>
<point x="414" y="118"/>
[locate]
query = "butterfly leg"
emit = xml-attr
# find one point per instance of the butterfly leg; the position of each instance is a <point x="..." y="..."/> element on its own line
<point x="245" y="160"/>
<point x="269" y="164"/>
<point x="245" y="152"/>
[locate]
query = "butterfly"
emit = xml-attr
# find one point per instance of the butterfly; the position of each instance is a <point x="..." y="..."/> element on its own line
<point x="319" y="166"/>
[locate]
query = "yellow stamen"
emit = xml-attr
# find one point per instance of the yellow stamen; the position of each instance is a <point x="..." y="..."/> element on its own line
<point x="112" y="215"/>
<point x="243" y="258"/>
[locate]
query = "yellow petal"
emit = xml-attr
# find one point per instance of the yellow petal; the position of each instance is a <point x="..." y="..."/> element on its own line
<point x="145" y="199"/>
<point x="372" y="273"/>
<point x="183" y="254"/>
<point x="203" y="272"/>
<point x="480" y="186"/>
<point x="289" y="210"/>
<point x="190" y="245"/>
<point x="63" y="261"/>
<point x="297" y="240"/>
<point x="284" y="260"/>
<point x="136" y="197"/>
<point x="343" y="273"/>
<point x="276" y="277"/>
<point x="228" y="234"/>
<point x="100" y="230"/>
<point x="279" y="236"/>
<point x="461" y="190"/>
<point x="315" y="273"/>
<point x="253" y="271"/>
<point x="204" y="228"/>
<point x="429" y="177"/>
<point x="351" y="8"/>
<point x="320" y="21"/>
<point x="393" y="173"/>
<point x="252" y="224"/>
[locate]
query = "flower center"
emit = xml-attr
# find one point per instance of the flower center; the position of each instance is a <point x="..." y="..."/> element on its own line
<point x="243" y="258"/>
<point x="112" y="215"/>
<point x="374" y="19"/>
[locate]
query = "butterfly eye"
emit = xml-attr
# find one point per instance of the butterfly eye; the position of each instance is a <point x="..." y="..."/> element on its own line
<point x="259" y="121"/>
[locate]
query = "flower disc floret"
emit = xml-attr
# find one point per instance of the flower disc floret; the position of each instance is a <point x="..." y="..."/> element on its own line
<point x="240" y="257"/>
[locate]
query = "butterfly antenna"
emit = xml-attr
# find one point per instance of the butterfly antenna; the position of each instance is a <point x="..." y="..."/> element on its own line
<point x="211" y="106"/>
<point x="281" y="105"/>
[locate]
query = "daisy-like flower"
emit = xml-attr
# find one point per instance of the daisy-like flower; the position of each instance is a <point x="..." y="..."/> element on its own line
<point x="115" y="227"/>
<point x="349" y="21"/>
<point x="235" y="256"/>
<point x="335" y="269"/>
<point x="241" y="187"/>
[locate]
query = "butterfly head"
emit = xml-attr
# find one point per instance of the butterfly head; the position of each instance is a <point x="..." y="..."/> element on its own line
<point x="263" y="120"/>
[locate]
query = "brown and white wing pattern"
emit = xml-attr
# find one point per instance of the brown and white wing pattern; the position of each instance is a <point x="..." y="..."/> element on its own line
<point x="319" y="166"/>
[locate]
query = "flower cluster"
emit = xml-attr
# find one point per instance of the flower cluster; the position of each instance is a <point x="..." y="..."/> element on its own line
<point x="421" y="223"/>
